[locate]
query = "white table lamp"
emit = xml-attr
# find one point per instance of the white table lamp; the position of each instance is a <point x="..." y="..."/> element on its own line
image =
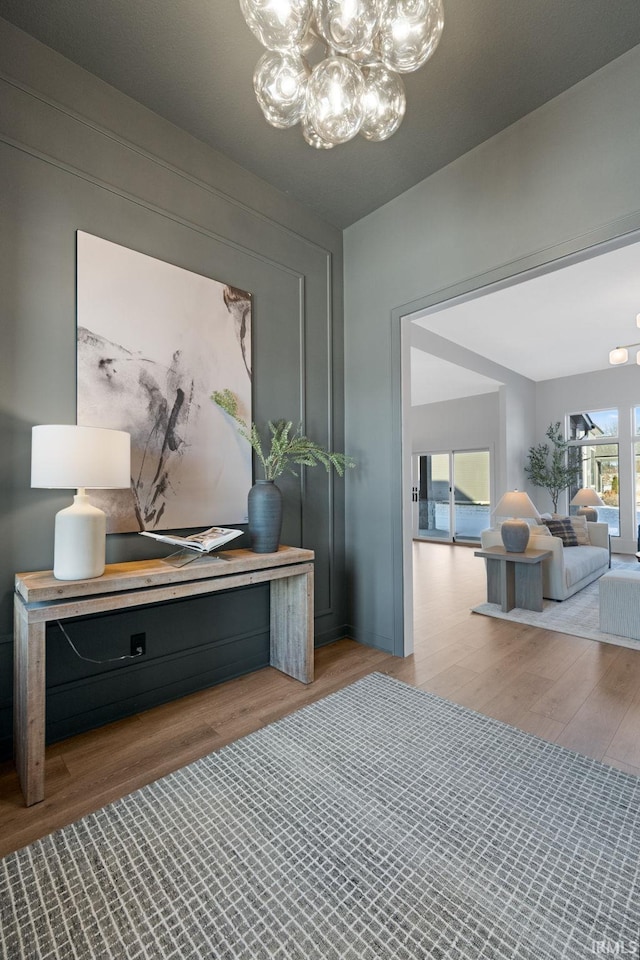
<point x="587" y="499"/>
<point x="515" y="531"/>
<point x="66" y="457"/>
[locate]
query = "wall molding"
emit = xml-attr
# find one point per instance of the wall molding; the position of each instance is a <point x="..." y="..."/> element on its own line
<point x="77" y="153"/>
<point x="151" y="207"/>
<point x="272" y="263"/>
<point x="143" y="664"/>
<point x="148" y="155"/>
<point x="200" y="228"/>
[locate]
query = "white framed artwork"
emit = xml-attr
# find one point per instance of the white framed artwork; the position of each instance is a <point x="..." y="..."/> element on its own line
<point x="154" y="341"/>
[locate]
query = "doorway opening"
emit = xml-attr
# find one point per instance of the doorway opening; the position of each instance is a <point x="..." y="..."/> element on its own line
<point x="515" y="423"/>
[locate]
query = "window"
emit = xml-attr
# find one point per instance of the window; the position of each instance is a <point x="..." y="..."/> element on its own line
<point x="594" y="426"/>
<point x="636" y="447"/>
<point x="590" y="434"/>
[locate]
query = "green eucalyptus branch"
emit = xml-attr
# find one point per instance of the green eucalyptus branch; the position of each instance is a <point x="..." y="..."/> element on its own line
<point x="288" y="445"/>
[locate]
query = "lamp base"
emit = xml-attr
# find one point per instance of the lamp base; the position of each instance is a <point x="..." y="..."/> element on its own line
<point x="80" y="541"/>
<point x="590" y="514"/>
<point x="515" y="535"/>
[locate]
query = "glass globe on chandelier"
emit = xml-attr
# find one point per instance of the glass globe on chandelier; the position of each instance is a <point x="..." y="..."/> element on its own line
<point x="359" y="48"/>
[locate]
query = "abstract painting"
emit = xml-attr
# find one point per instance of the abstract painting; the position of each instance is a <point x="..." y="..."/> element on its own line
<point x="154" y="342"/>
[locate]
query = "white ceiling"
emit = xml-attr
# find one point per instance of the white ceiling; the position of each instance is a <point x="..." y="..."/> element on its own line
<point x="556" y="325"/>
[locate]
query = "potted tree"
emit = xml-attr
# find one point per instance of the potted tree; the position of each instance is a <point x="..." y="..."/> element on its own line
<point x="288" y="447"/>
<point x="554" y="465"/>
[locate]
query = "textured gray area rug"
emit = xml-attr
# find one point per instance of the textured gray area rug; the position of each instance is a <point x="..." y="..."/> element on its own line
<point x="579" y="615"/>
<point x="380" y="822"/>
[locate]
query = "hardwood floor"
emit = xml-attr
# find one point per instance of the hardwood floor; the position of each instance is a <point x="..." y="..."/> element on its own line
<point x="581" y="694"/>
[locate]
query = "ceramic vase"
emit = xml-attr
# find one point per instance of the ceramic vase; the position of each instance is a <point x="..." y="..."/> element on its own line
<point x="265" y="516"/>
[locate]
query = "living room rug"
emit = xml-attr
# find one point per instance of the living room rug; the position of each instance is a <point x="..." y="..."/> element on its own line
<point x="579" y="615"/>
<point x="380" y="822"/>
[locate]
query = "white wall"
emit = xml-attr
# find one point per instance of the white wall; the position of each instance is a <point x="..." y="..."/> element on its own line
<point x="618" y="388"/>
<point x="468" y="423"/>
<point x="556" y="182"/>
<point x="465" y="424"/>
<point x="515" y="410"/>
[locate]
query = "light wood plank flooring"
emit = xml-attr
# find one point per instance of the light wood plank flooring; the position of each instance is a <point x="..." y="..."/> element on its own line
<point x="573" y="691"/>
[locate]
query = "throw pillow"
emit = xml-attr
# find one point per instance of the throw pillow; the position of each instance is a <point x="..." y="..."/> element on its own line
<point x="564" y="529"/>
<point x="539" y="530"/>
<point x="581" y="531"/>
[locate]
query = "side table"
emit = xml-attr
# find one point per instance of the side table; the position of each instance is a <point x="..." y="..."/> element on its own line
<point x="514" y="579"/>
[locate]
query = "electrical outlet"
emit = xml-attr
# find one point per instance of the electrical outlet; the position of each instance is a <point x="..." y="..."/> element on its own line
<point x="138" y="644"/>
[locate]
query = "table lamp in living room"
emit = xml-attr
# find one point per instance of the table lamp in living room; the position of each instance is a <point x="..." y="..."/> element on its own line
<point x="63" y="457"/>
<point x="517" y="506"/>
<point x="587" y="500"/>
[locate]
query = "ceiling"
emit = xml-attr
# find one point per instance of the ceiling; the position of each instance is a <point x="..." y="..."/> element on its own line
<point x="191" y="61"/>
<point x="434" y="380"/>
<point x="559" y="324"/>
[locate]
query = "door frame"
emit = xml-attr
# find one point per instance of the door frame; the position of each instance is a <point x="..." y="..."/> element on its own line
<point x="416" y="457"/>
<point x="574" y="250"/>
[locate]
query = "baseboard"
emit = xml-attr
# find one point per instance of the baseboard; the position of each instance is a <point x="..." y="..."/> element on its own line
<point x="330" y="636"/>
<point x="369" y="639"/>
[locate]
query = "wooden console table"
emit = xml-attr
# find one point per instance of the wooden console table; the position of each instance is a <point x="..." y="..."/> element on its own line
<point x="40" y="599"/>
<point x="514" y="579"/>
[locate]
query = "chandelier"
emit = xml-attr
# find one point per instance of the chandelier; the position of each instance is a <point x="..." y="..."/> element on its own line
<point x="621" y="354"/>
<point x="358" y="49"/>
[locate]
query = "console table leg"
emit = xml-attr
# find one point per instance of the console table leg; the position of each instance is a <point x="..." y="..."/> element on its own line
<point x="292" y="626"/>
<point x="29" y="705"/>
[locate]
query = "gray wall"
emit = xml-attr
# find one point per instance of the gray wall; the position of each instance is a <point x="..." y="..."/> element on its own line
<point x="560" y="180"/>
<point x="77" y="155"/>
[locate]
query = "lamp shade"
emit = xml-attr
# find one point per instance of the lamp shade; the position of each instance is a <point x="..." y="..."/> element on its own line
<point x="587" y="500"/>
<point x="65" y="456"/>
<point x="516" y="503"/>
<point x="586" y="497"/>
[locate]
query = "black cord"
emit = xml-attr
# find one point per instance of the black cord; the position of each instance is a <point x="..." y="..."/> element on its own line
<point x="127" y="656"/>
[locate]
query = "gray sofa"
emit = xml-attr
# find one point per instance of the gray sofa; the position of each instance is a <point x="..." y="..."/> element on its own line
<point x="569" y="569"/>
